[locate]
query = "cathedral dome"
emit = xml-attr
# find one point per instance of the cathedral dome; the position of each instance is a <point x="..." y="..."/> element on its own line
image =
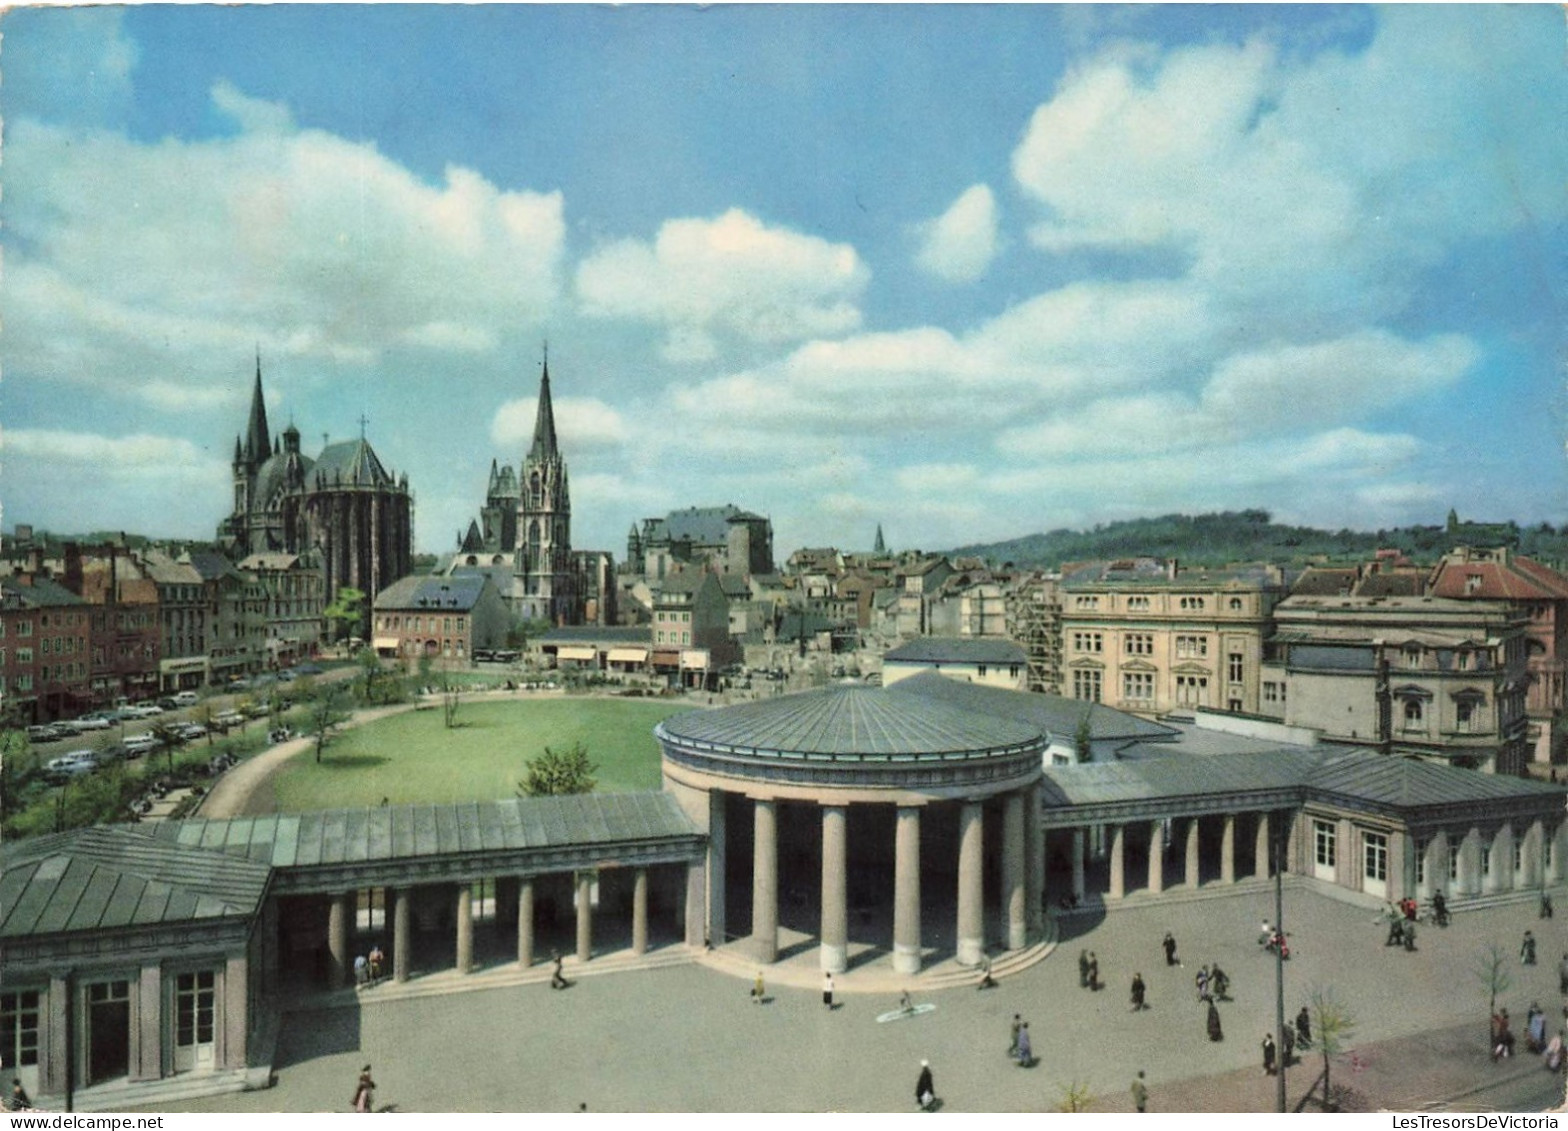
<point x="274" y="479"/>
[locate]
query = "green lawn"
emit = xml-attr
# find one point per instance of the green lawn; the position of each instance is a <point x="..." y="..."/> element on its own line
<point x="413" y="757"/>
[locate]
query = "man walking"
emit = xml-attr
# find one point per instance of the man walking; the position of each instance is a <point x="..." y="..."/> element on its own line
<point x="1169" y="943"/>
<point x="1140" y="1093"/>
<point x="1012" y="1045"/>
<point x="1094" y="972"/>
<point x="1268" y="1054"/>
<point x="925" y="1087"/>
<point x="1137" y="993"/>
<point x="827" y="989"/>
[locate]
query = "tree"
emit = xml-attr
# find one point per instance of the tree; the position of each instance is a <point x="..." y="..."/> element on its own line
<point x="324" y="717"/>
<point x="1332" y="1026"/>
<point x="1491" y="970"/>
<point x="1075" y="1096"/>
<point x="557" y="772"/>
<point x="345" y="614"/>
<point x="371" y="675"/>
<point x="451" y="698"/>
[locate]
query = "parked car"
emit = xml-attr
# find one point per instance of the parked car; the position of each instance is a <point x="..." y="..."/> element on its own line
<point x="190" y="731"/>
<point x="42" y="733"/>
<point x="72" y="765"/>
<point x="223" y="720"/>
<point x="96" y="721"/>
<point x="139" y="744"/>
<point x="186" y="699"/>
<point x="65" y="730"/>
<point x="258" y="710"/>
<point x="145" y="710"/>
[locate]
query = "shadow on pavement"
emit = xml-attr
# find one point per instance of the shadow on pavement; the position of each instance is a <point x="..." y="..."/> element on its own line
<point x="317" y="1033"/>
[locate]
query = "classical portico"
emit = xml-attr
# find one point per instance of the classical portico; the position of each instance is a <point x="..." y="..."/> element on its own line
<point x="856" y="811"/>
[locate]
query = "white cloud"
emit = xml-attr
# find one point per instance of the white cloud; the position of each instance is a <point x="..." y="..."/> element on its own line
<point x="72" y="65"/>
<point x="580" y="423"/>
<point x="313" y="245"/>
<point x="961" y="243"/>
<point x="732" y="277"/>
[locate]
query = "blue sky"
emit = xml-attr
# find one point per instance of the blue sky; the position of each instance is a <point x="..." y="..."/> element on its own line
<point x="970" y="272"/>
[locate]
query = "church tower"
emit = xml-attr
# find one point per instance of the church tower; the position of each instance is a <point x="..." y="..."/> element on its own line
<point x="545" y="582"/>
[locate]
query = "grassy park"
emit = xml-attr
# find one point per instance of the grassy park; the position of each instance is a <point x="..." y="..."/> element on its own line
<point x="415" y="757"/>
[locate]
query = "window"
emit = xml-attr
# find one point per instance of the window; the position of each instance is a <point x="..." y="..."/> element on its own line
<point x="1518" y="855"/>
<point x="1323" y="847"/>
<point x="1486" y="861"/>
<point x="1235" y="604"/>
<point x="1412" y="654"/>
<point x="1273" y="692"/>
<point x="24" y="655"/>
<point x="1191" y="647"/>
<point x="1192" y="604"/>
<point x="19" y="1028"/>
<point x="1374" y="856"/>
<point x="1137" y="604"/>
<point x="1453" y="861"/>
<point x="1423" y="846"/>
<point x="980" y="670"/>
<point x="1138" y="687"/>
<point x="1083" y="602"/>
<point x="1086" y="685"/>
<point x="24" y="628"/>
<point x="1413" y="713"/>
<point x="1138" y="644"/>
<point x="1235" y="665"/>
<point x="1192" y="690"/>
<point x="1086" y="642"/>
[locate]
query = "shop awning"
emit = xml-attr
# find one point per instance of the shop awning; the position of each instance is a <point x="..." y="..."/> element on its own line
<point x="666" y="657"/>
<point x="577" y="652"/>
<point x="628" y="655"/>
<point x="694" y="658"/>
<point x="386" y="643"/>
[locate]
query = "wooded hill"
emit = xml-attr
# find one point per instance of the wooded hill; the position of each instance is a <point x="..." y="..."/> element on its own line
<point x="1252" y="535"/>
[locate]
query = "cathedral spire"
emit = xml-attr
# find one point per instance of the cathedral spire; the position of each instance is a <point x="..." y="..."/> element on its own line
<point x="544" y="421"/>
<point x="258" y="441"/>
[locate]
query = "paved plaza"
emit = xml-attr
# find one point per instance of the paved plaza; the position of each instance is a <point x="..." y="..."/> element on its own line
<point x="687" y="1037"/>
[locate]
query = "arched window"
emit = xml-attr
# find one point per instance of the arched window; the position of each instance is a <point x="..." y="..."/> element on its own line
<point x="1413" y="713"/>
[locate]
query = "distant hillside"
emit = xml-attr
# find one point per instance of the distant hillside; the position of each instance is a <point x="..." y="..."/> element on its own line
<point x="1252" y="535"/>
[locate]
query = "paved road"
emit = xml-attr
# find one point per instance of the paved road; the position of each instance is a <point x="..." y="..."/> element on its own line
<point x="688" y="1038"/>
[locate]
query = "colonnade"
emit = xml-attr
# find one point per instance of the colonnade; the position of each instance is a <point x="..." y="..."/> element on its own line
<point x="1471" y="862"/>
<point x="1020" y="816"/>
<point x="342" y="908"/>
<point x="1184" y="832"/>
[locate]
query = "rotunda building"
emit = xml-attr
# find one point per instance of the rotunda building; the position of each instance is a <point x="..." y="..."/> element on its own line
<point x="871" y="819"/>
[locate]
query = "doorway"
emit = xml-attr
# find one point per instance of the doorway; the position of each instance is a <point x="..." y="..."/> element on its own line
<point x="195" y="1007"/>
<point x="108" y="1031"/>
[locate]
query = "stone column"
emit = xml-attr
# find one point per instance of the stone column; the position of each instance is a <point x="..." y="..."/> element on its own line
<point x="1078" y="851"/>
<point x="834" y="957"/>
<point x="1118" y="887"/>
<point x="640" y="912"/>
<point x="1013" y="870"/>
<point x="1470" y="850"/>
<point x="400" y="935"/>
<point x="971" y="885"/>
<point x="1260" y="849"/>
<point x="584" y="916"/>
<point x="1534" y="871"/>
<point x="716" y="867"/>
<point x="1228" y="850"/>
<point x="1190" y="872"/>
<point x="1034" y="851"/>
<point x="1554" y="853"/>
<point x="337" y="940"/>
<point x="906" y="891"/>
<point x="56" y="1072"/>
<point x="525" y="921"/>
<point x="464" y="901"/>
<point x="1156" y="857"/>
<point x="765" y="882"/>
<point x="1437" y="863"/>
<point x="696" y="903"/>
<point x="149" y="1004"/>
<point x="1503" y="861"/>
<point x="236" y="1022"/>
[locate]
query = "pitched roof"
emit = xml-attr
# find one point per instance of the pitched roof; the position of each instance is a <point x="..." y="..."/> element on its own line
<point x="1506" y="578"/>
<point x="41" y="593"/>
<point x="119" y="876"/>
<point x="401" y="832"/>
<point x="591" y="633"/>
<point x="543" y="446"/>
<point x="702" y="526"/>
<point x="352" y="462"/>
<point x="957" y="650"/>
<point x="460" y="592"/>
<point x="1408" y="783"/>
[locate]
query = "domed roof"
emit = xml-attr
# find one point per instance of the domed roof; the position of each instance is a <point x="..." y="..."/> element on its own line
<point x="850" y="722"/>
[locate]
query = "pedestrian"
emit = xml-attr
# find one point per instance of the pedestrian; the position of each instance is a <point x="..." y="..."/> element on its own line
<point x="1527" y="949"/>
<point x="1094" y="972"/>
<point x="1201" y="979"/>
<point x="1219" y="983"/>
<point x="1215" y="1032"/>
<point x="377" y="963"/>
<point x="1562" y="976"/>
<point x="19" y="1101"/>
<point x="1440" y="910"/>
<point x="1535" y="1027"/>
<point x="827" y="989"/>
<point x="361" y="970"/>
<point x="757" y="990"/>
<point x="1546" y="905"/>
<point x="557" y="979"/>
<point x="1265" y="933"/>
<point x="1304" y="1028"/>
<point x="1018" y="1025"/>
<point x="364" y="1091"/>
<point x="1268" y="1054"/>
<point x="1410" y="939"/>
<point x="1289" y="1036"/>
<point x="1502" y="1039"/>
<point x="925" y="1087"/>
<point x="986" y="981"/>
<point x="1396" y="927"/>
<point x="1025" y="1050"/>
<point x="1083" y="968"/>
<point x="1140" y="1093"/>
<point x="1554" y="1052"/>
<point x="1137" y="993"/>
<point x="1169" y="943"/>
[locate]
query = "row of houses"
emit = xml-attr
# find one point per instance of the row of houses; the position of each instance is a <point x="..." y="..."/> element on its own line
<point x="101" y="623"/>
